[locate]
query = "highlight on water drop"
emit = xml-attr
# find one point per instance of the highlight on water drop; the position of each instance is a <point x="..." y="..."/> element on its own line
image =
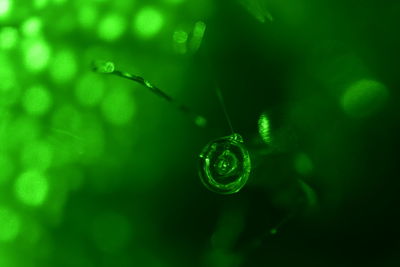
<point x="224" y="165"/>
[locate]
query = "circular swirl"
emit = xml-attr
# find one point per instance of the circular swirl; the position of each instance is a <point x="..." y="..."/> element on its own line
<point x="225" y="165"/>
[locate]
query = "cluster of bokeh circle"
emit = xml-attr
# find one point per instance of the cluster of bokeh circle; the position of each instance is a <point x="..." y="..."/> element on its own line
<point x="55" y="112"/>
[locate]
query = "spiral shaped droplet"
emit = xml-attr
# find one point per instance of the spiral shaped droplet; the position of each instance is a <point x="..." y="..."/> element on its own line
<point x="225" y="165"/>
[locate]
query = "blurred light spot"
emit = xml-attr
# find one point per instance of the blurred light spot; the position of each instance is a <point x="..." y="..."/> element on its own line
<point x="363" y="98"/>
<point x="264" y="128"/>
<point x="111" y="27"/>
<point x="10" y="224"/>
<point x="6" y="168"/>
<point x="64" y="66"/>
<point x="31" y="26"/>
<point x="197" y="36"/>
<point x="31" y="188"/>
<point x="9" y="89"/>
<point x="8" y="37"/>
<point x="39" y="4"/>
<point x="201" y="121"/>
<point x="87" y="16"/>
<point x="89" y="89"/>
<point x="5" y="7"/>
<point x="36" y="100"/>
<point x="118" y="106"/>
<point x="180" y="38"/>
<point x="111" y="232"/>
<point x="37" y="155"/>
<point x="148" y="22"/>
<point x="303" y="164"/>
<point x="36" y="54"/>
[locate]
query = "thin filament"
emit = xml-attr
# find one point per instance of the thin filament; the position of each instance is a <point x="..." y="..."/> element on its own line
<point x="107" y="67"/>
<point x="221" y="100"/>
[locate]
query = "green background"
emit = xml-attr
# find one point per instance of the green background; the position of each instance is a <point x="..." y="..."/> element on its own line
<point x="96" y="170"/>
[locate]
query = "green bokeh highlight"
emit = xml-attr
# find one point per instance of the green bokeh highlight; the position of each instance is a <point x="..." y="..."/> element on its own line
<point x="37" y="155"/>
<point x="87" y="15"/>
<point x="31" y="188"/>
<point x="40" y="4"/>
<point x="90" y="89"/>
<point x="111" y="27"/>
<point x="9" y="86"/>
<point x="99" y="170"/>
<point x="303" y="164"/>
<point x="31" y="26"/>
<point x="37" y="100"/>
<point x="37" y="54"/>
<point x="118" y="106"/>
<point x="5" y="7"/>
<point x="148" y="22"/>
<point x="364" y="98"/>
<point x="24" y="129"/>
<point x="8" y="37"/>
<point x="10" y="224"/>
<point x="64" y="66"/>
<point x="201" y="121"/>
